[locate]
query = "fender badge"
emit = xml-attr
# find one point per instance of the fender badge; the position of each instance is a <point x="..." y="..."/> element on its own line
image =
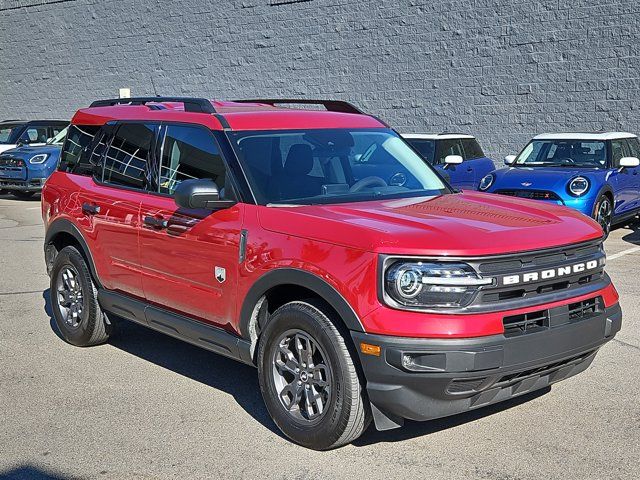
<point x="526" y="184"/>
<point x="221" y="274"/>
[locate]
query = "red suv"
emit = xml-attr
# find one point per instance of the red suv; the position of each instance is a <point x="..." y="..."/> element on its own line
<point x="240" y="227"/>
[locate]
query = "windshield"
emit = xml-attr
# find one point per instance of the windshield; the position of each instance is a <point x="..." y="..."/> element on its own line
<point x="333" y="166"/>
<point x="8" y="132"/>
<point x="564" y="153"/>
<point x="59" y="138"/>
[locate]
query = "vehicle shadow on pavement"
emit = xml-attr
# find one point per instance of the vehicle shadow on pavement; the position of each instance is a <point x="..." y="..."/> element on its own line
<point x="238" y="380"/>
<point x="241" y="381"/>
<point x="30" y="472"/>
<point x="634" y="236"/>
<point x="420" y="429"/>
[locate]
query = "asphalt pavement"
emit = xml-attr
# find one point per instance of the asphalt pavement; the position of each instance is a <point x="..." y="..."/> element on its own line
<point x="147" y="406"/>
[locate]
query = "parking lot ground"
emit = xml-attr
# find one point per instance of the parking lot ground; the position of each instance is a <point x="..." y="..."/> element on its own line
<point x="147" y="406"/>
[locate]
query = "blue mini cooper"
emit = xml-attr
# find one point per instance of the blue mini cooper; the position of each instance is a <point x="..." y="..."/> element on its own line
<point x="597" y="174"/>
<point x="24" y="170"/>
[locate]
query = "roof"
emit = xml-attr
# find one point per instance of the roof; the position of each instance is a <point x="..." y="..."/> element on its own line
<point x="35" y="122"/>
<point x="584" y="136"/>
<point x="436" y="136"/>
<point x="233" y="115"/>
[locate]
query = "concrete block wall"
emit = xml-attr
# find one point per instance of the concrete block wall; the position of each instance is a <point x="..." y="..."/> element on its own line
<point x="503" y="70"/>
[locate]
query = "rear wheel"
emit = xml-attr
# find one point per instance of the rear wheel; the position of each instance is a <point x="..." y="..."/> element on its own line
<point x="603" y="213"/>
<point x="308" y="379"/>
<point x="74" y="300"/>
<point x="22" y="195"/>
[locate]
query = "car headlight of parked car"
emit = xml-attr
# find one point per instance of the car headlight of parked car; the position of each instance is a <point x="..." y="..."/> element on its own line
<point x="414" y="284"/>
<point x="40" y="158"/>
<point x="486" y="182"/>
<point x="578" y="186"/>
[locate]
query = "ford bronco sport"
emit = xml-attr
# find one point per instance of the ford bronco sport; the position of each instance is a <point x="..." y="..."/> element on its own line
<point x="241" y="228"/>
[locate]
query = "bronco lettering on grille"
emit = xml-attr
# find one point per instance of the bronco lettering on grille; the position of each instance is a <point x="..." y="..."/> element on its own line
<point x="550" y="273"/>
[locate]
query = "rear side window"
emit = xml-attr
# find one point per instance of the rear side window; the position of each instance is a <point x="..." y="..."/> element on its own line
<point x="471" y="149"/>
<point x="125" y="161"/>
<point x="189" y="153"/>
<point x="75" y="151"/>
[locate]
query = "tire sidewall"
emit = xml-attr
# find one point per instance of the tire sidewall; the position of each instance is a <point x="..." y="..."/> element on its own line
<point x="81" y="335"/>
<point x="329" y="428"/>
<point x="596" y="211"/>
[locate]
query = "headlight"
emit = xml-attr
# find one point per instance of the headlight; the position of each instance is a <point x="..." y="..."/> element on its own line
<point x="40" y="158"/>
<point x="416" y="284"/>
<point x="578" y="186"/>
<point x="486" y="182"/>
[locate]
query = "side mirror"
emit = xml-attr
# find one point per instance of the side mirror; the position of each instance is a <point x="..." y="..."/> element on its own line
<point x="200" y="194"/>
<point x="509" y="159"/>
<point x="452" y="160"/>
<point x="23" y="141"/>
<point x="629" y="162"/>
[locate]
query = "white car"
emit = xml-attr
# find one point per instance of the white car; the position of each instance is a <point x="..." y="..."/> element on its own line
<point x="14" y="133"/>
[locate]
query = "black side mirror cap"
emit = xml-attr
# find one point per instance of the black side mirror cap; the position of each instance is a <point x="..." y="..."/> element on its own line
<point x="200" y="194"/>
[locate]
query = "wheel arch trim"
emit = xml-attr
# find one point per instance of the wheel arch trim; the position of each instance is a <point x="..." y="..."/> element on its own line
<point x="66" y="226"/>
<point x="310" y="281"/>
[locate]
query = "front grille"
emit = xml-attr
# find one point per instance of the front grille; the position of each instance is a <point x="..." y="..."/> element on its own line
<point x="585" y="309"/>
<point x="531" y="194"/>
<point x="525" y="323"/>
<point x="11" y="163"/>
<point x="504" y="295"/>
<point x="541" y="320"/>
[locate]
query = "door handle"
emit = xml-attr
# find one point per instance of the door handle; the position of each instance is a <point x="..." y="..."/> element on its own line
<point x="90" y="208"/>
<point x="155" y="222"/>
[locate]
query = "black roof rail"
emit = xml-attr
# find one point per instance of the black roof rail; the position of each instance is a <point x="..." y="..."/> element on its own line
<point x="330" y="105"/>
<point x="195" y="105"/>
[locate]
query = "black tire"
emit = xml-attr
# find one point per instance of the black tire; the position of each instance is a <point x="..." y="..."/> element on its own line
<point x="346" y="414"/>
<point x="22" y="195"/>
<point x="603" y="213"/>
<point x="82" y="324"/>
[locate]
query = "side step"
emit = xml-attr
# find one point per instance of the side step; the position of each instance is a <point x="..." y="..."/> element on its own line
<point x="178" y="326"/>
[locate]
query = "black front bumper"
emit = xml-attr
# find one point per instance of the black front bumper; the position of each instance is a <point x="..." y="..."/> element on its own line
<point x="422" y="379"/>
<point x="34" y="185"/>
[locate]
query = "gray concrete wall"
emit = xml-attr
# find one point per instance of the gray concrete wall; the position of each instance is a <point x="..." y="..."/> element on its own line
<point x="502" y="70"/>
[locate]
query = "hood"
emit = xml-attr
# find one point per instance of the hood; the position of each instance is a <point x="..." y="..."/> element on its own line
<point x="465" y="224"/>
<point x="540" y="178"/>
<point x="27" y="152"/>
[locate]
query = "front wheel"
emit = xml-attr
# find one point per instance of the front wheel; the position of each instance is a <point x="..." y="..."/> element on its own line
<point x="603" y="213"/>
<point x="308" y="378"/>
<point x="74" y="300"/>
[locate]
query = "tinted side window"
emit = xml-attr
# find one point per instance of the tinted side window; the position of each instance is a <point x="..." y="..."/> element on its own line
<point x="35" y="135"/>
<point x="74" y="157"/>
<point x="125" y="161"/>
<point x="618" y="150"/>
<point x="634" y="147"/>
<point x="189" y="153"/>
<point x="446" y="148"/>
<point x="472" y="149"/>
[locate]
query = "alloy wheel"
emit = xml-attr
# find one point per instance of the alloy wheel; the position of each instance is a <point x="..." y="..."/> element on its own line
<point x="302" y="376"/>
<point x="603" y="214"/>
<point x="70" y="296"/>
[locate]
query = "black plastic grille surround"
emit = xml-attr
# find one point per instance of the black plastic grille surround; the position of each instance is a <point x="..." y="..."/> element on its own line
<point x="530" y="194"/>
